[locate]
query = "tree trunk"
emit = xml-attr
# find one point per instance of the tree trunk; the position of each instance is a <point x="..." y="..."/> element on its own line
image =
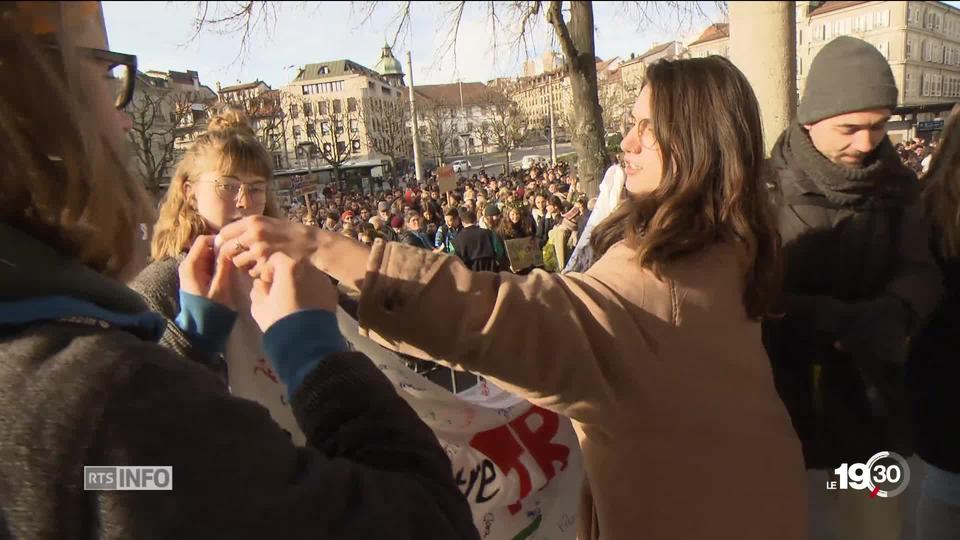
<point x="771" y="69"/>
<point x="588" y="134"/>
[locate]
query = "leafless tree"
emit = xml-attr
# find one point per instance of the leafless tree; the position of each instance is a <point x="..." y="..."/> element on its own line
<point x="438" y="118"/>
<point x="333" y="128"/>
<point x="157" y="115"/>
<point x="389" y="133"/>
<point x="507" y="127"/>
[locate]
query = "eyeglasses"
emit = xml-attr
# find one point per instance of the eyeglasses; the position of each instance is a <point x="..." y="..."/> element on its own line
<point x="122" y="69"/>
<point x="230" y="191"/>
<point x="644" y="131"/>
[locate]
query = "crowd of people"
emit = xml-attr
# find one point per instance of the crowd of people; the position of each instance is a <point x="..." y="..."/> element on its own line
<point x="746" y="324"/>
<point x="917" y="154"/>
<point x="544" y="202"/>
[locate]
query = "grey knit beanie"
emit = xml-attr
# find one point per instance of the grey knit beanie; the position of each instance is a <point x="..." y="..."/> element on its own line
<point x="847" y="75"/>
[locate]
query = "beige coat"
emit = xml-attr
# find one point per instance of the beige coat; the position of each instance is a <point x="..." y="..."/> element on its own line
<point x="667" y="382"/>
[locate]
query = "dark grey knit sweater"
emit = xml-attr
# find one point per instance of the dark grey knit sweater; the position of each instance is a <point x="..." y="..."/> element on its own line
<point x="159" y="285"/>
<point x="74" y="394"/>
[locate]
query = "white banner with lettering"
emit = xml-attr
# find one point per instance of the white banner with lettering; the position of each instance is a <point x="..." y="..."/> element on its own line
<point x="518" y="465"/>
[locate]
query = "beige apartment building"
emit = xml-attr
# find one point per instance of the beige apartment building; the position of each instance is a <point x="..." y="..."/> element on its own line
<point x="714" y="41"/>
<point x="920" y="40"/>
<point x="533" y="97"/>
<point x="346" y="113"/>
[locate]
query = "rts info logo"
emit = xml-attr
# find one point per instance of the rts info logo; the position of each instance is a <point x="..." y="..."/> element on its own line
<point x="886" y="474"/>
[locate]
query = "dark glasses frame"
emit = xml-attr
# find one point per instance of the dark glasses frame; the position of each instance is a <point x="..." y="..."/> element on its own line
<point x="115" y="59"/>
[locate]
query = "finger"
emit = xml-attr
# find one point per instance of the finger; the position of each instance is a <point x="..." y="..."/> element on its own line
<point x="239" y="228"/>
<point x="254" y="253"/>
<point x="259" y="293"/>
<point x="239" y="244"/>
<point x="200" y="248"/>
<point x="224" y="271"/>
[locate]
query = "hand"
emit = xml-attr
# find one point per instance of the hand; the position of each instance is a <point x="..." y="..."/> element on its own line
<point x="250" y="242"/>
<point x="287" y="286"/>
<point x="201" y="275"/>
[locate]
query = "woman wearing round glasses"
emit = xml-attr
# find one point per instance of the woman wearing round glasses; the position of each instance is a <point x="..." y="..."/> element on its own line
<point x="222" y="178"/>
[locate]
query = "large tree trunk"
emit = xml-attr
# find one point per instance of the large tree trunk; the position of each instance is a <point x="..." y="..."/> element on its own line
<point x="771" y="69"/>
<point x="576" y="41"/>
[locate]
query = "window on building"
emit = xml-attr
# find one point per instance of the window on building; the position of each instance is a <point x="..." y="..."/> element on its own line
<point x="339" y="127"/>
<point x="308" y="109"/>
<point x="294" y="112"/>
<point x="907" y="84"/>
<point x="323" y="108"/>
<point x="909" y="50"/>
<point x="337" y="106"/>
<point x="371" y="86"/>
<point x="327" y="148"/>
<point x="325" y="128"/>
<point x="356" y="145"/>
<point x="351" y="105"/>
<point x="354" y="126"/>
<point x="341" y="148"/>
<point x="311" y="130"/>
<point x="297" y="132"/>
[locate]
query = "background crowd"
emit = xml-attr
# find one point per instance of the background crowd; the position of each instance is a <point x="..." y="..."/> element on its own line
<point x="543" y="203"/>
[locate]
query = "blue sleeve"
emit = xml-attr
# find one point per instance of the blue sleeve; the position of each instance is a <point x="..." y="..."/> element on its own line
<point x="297" y="343"/>
<point x="438" y="239"/>
<point x="206" y="323"/>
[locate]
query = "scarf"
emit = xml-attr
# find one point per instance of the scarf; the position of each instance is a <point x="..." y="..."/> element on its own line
<point x="882" y="173"/>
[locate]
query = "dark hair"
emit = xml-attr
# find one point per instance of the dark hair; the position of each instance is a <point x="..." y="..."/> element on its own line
<point x="452" y="212"/>
<point x="941" y="192"/>
<point x="468" y="216"/>
<point x="706" y="121"/>
<point x="333" y="215"/>
<point x="555" y="201"/>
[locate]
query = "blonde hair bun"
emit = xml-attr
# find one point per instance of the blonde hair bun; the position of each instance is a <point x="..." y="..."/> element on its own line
<point x="230" y="119"/>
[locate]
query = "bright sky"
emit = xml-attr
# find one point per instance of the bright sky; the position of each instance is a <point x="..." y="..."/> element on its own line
<point x="159" y="34"/>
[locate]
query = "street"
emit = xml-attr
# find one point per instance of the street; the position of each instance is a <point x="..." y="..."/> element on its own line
<point x="492" y="160"/>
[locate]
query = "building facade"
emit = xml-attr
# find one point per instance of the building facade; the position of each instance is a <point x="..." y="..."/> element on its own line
<point x="342" y="115"/>
<point x="168" y="110"/>
<point x="454" y="118"/>
<point x="714" y="41"/>
<point x="920" y="40"/>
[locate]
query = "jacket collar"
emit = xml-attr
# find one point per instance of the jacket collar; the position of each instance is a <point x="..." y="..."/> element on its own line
<point x="38" y="283"/>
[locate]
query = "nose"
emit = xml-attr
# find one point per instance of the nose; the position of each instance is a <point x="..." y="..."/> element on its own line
<point x="863" y="141"/>
<point x="242" y="198"/>
<point x="631" y="143"/>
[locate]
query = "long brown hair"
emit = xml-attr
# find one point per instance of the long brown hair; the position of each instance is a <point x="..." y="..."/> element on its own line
<point x="63" y="176"/>
<point x="941" y="192"/>
<point x="707" y="123"/>
<point x="233" y="147"/>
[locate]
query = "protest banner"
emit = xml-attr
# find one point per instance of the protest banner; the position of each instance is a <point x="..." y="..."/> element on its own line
<point x="518" y="465"/>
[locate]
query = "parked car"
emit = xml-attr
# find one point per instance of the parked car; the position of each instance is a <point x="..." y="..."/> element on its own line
<point x="531" y="160"/>
<point x="461" y="165"/>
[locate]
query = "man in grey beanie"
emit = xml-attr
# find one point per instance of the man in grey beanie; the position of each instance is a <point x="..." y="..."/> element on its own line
<point x="859" y="281"/>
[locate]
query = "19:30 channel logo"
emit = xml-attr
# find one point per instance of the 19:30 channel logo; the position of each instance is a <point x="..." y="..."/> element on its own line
<point x="886" y="474"/>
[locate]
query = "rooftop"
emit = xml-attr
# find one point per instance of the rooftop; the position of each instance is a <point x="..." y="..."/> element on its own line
<point x="245" y="86"/>
<point x="474" y="93"/>
<point x="388" y="64"/>
<point x="712" y="33"/>
<point x="656" y="49"/>
<point x="827" y="7"/>
<point x="334" y="68"/>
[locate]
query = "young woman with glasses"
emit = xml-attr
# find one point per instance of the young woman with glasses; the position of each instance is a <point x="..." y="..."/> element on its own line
<point x="224" y="177"/>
